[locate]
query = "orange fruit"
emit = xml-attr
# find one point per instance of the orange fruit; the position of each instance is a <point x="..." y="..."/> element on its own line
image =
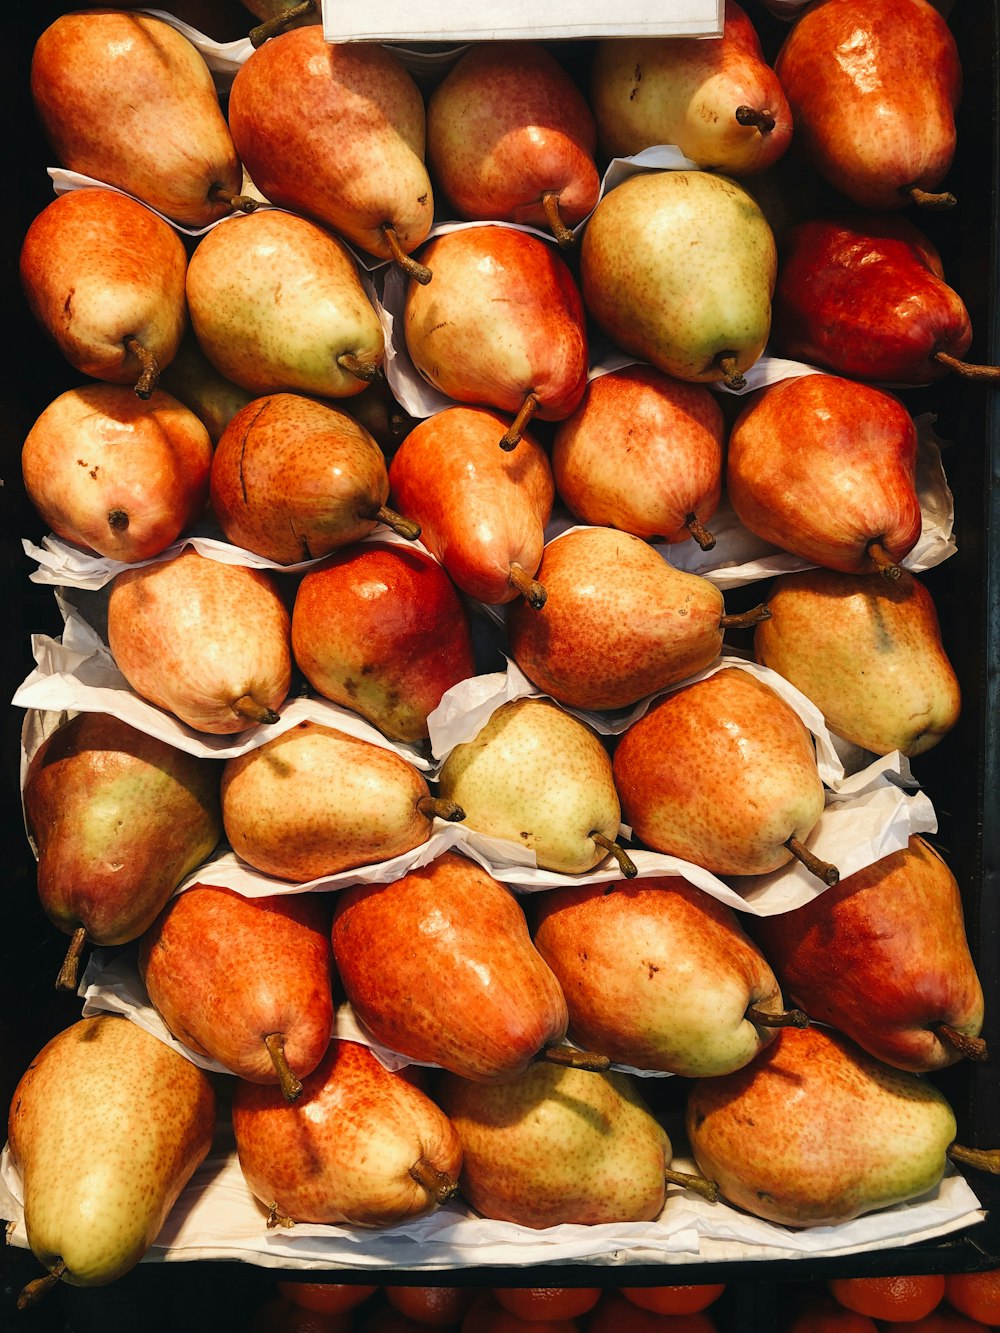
<point x="894" y="1299"/>
<point x="674" y="1300"/>
<point x="487" y="1315"/>
<point x="325" y="1297"/>
<point x="942" y="1320"/>
<point x="432" y="1305"/>
<point x="281" y="1315"/>
<point x="818" y="1312"/>
<point x="614" y="1314"/>
<point x="534" y="1303"/>
<point x="975" y="1294"/>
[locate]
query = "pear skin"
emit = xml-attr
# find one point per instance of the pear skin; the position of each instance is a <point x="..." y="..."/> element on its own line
<point x="193" y="380"/>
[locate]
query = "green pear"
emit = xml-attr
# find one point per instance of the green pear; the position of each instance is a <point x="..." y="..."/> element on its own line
<point x="106" y="1127"/>
<point x="678" y="267"/>
<point x="541" y="778"/>
<point x="194" y="381"/>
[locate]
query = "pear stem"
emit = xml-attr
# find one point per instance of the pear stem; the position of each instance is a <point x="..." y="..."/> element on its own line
<point x="512" y="437"/>
<point x="247" y="706"/>
<point x="973" y="1048"/>
<point x="562" y="233"/>
<point x="751" y="115"/>
<point x="417" y="271"/>
<point x="290" y="1085"/>
<point x="402" y="527"/>
<point x="35" y="1290"/>
<point x="966" y="369"/>
<point x="708" y="1189"/>
<point x="785" y="1018"/>
<point x="568" y="1057"/>
<point x="746" y="619"/>
<point x="363" y="370"/>
<point x="983" y="1159"/>
<point x="239" y="203"/>
<point x="273" y="26"/>
<point x="928" y="198"/>
<point x="439" y="1186"/>
<point x="699" y="532"/>
<point x="441" y="808"/>
<point x="727" y="364"/>
<point x="880" y="558"/>
<point x="69" y="972"/>
<point x="823" y="870"/>
<point x="276" y="1218"/>
<point x="628" y="866"/>
<point x="150" y="372"/>
<point x="529" y="588"/>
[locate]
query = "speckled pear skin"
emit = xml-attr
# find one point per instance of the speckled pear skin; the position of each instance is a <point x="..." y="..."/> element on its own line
<point x="815" y="1132"/>
<point x="721" y="773"/>
<point x="678" y="268"/>
<point x="439" y="966"/>
<point x="558" y="1146"/>
<point x="657" y="974"/>
<point x="540" y="777"/>
<point x="106" y="1127"/>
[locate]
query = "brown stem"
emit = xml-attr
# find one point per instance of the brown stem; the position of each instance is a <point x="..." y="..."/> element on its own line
<point x="36" y="1289"/>
<point x="708" y="1189"/>
<point x="785" y="1018"/>
<point x="973" y="1048"/>
<point x="983" y="1159"/>
<point x="968" y="371"/>
<point x="823" y="870"/>
<point x="290" y="1085"/>
<point x="273" y="26"/>
<point x="440" y="807"/>
<point x="746" y="619"/>
<point x="440" y="1186"/>
<point x="417" y="271"/>
<point x="247" y="706"/>
<point x="150" y="372"/>
<point x="239" y="203"/>
<point x="751" y="115"/>
<point x="363" y="370"/>
<point x="882" y="561"/>
<point x="562" y="233"/>
<point x="628" y="866"/>
<point x="512" y="437"/>
<point x="276" y="1218"/>
<point x="402" y="527"/>
<point x="118" y="519"/>
<point x="69" y="972"/>
<point x="727" y="364"/>
<point x="568" y="1057"/>
<point x="699" y="532"/>
<point x="928" y="198"/>
<point x="529" y="588"/>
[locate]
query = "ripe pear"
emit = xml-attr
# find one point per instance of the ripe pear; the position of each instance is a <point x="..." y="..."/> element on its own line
<point x="115" y="474"/>
<point x="561" y="1146"/>
<point x="193" y="380"/>
<point x="867" y="651"/>
<point x="276" y="303"/>
<point x="723" y="773"/>
<point x="104" y="277"/>
<point x="119" y="818"/>
<point x="106" y="1127"/>
<point x="612" y="598"/>
<point x="127" y="99"/>
<point x="208" y="642"/>
<point x="315" y="801"/>
<point x="678" y="268"/>
<point x="539" y="777"/>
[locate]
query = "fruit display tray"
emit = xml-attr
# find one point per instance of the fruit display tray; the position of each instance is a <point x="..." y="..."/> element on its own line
<point x="961" y="776"/>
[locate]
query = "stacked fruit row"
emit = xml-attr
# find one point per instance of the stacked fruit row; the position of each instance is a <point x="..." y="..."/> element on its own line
<point x="521" y="1006"/>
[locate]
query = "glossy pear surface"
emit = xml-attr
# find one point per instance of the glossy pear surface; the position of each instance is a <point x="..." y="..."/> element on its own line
<point x="439" y="966"/>
<point x="867" y="651"/>
<point x="815" y="1132"/>
<point x="106" y="1127"/>
<point x="539" y="777"/>
<point x="721" y="773"/>
<point x="678" y="267"/>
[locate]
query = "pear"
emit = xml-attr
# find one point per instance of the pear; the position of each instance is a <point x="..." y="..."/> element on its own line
<point x="276" y="303"/>
<point x="208" y="642"/>
<point x="314" y="801"/>
<point x="128" y="100"/>
<point x="119" y="818"/>
<point x="106" y="1127"/>
<point x="723" y="773"/>
<point x="561" y="1146"/>
<point x="611" y="597"/>
<point x="193" y="380"/>
<point x="541" y="778"/>
<point x="678" y="268"/>
<point x="867" y="651"/>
